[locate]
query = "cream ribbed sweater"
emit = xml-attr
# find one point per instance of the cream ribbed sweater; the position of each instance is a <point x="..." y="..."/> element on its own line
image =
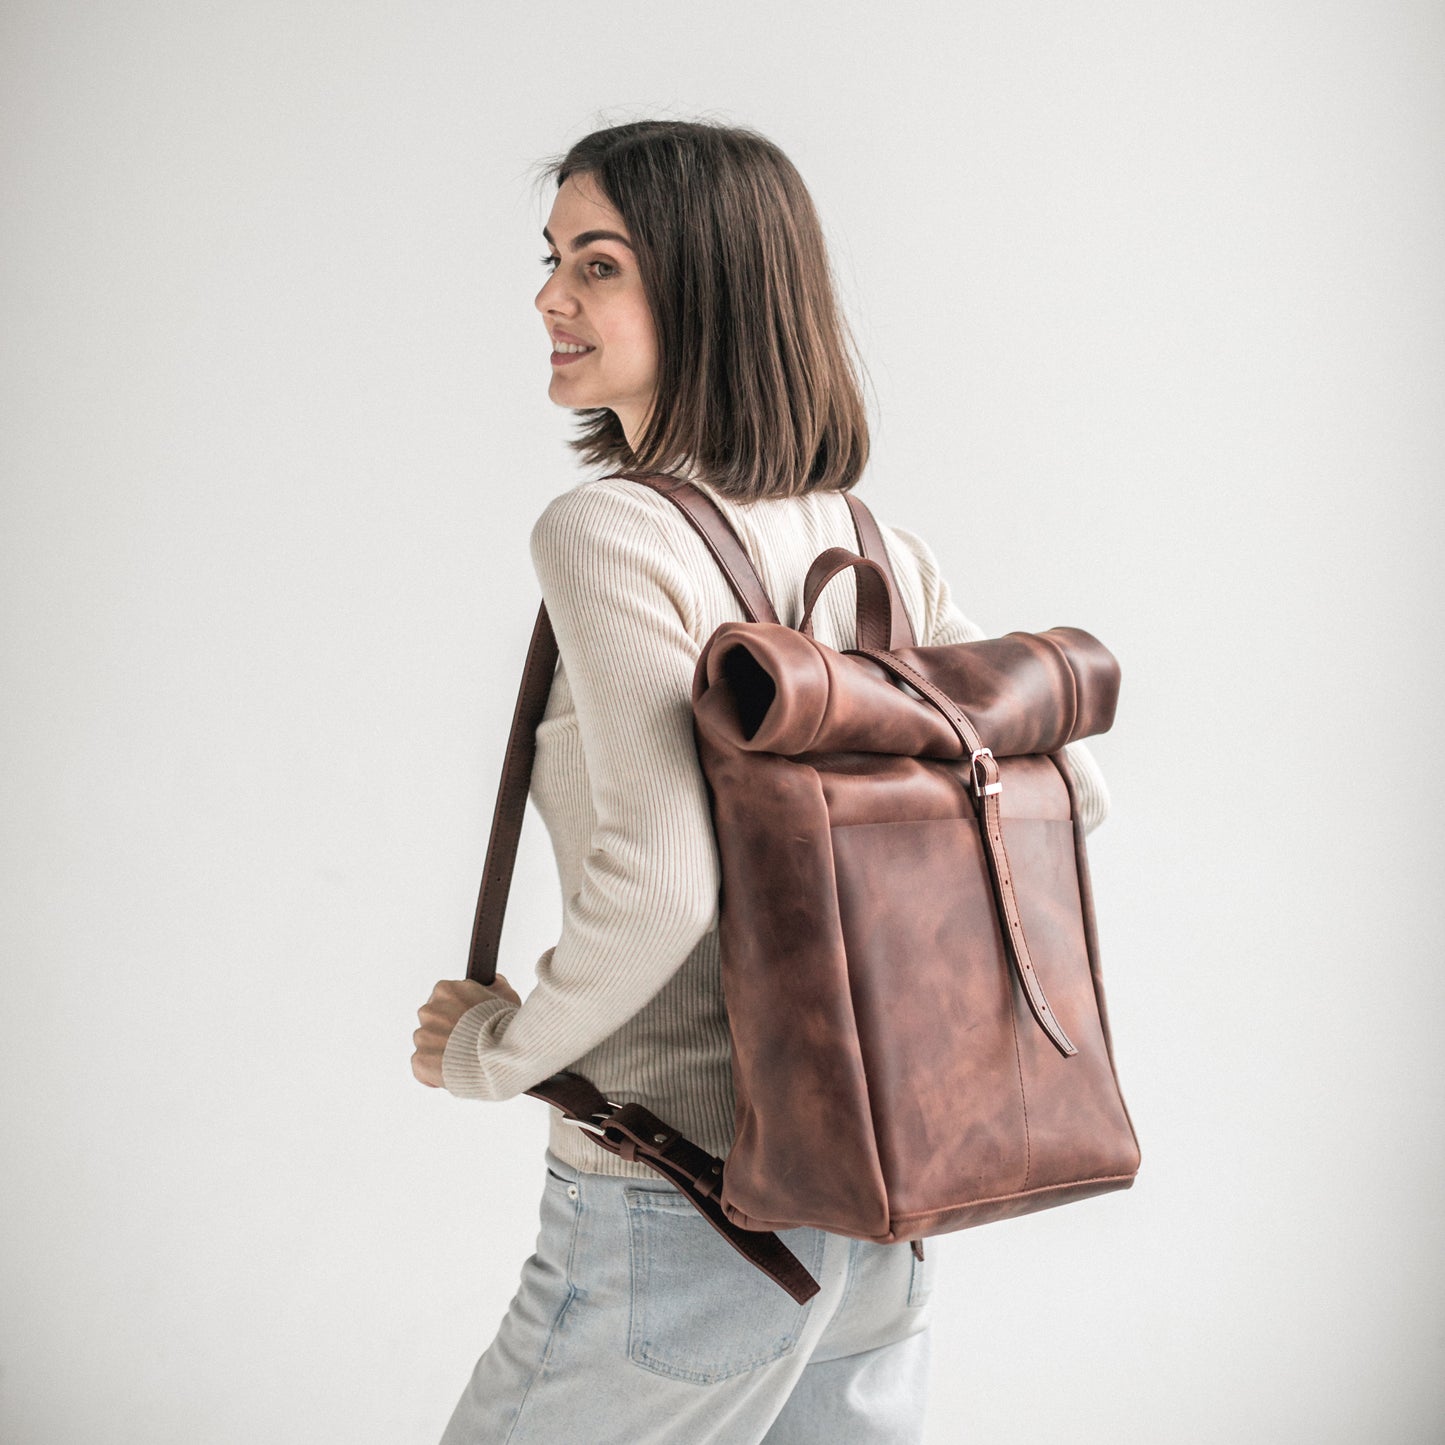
<point x="630" y="993"/>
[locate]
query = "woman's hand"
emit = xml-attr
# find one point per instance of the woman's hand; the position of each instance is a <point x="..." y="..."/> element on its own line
<point x="449" y="1000"/>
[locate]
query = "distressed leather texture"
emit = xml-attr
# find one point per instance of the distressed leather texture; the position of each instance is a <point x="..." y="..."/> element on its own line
<point x="892" y="1082"/>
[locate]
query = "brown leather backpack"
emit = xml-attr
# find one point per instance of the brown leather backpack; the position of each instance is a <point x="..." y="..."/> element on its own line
<point x="919" y="1036"/>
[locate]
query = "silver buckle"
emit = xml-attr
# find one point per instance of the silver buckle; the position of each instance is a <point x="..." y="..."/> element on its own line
<point x="980" y="787"/>
<point x="591" y="1124"/>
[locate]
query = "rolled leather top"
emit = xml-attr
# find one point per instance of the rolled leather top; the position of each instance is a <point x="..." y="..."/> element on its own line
<point x="768" y="688"/>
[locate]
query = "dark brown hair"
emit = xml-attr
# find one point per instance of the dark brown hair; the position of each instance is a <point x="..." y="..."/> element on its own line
<point x="758" y="374"/>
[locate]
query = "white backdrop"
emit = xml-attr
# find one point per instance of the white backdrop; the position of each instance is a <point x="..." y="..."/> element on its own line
<point x="1152" y="303"/>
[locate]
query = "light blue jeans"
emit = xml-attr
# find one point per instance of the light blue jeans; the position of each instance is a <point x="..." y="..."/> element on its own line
<point x="636" y="1323"/>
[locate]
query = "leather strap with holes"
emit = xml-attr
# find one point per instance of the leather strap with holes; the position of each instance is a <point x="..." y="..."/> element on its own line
<point x="990" y="817"/>
<point x="636" y="1134"/>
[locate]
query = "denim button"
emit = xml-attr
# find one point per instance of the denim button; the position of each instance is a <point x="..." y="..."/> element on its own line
<point x="571" y="1191"/>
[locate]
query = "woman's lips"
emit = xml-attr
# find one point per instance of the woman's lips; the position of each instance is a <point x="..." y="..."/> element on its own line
<point x="566" y="358"/>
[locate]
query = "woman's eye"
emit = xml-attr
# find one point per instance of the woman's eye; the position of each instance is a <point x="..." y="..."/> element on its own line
<point x="552" y="262"/>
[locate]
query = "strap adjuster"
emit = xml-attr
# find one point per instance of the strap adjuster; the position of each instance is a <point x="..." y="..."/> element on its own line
<point x="981" y="786"/>
<point x="594" y="1124"/>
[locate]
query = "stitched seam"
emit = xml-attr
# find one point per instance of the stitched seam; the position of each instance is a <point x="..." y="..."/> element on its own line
<point x="892" y="587"/>
<point x="967" y="818"/>
<point x="852" y="1275"/>
<point x="897" y="582"/>
<point x="644" y="1354"/>
<point x="557" y="1319"/>
<point x="868" y="613"/>
<point x="1023" y="1097"/>
<point x="636" y="1273"/>
<point x="925" y="1216"/>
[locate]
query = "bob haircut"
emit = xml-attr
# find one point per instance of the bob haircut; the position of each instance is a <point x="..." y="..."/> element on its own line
<point x="757" y="384"/>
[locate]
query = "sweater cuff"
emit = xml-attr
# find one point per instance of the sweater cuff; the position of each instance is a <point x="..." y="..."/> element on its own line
<point x="463" y="1073"/>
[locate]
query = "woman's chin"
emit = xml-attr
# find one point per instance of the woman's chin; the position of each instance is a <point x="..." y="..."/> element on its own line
<point x="561" y="391"/>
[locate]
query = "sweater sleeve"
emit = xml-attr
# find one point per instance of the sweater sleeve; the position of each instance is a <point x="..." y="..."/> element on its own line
<point x="618" y="598"/>
<point x="945" y="624"/>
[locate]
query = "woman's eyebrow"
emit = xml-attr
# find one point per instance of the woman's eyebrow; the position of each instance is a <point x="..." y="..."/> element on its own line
<point x="587" y="238"/>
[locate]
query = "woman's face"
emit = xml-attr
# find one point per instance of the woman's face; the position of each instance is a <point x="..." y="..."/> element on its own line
<point x="594" y="298"/>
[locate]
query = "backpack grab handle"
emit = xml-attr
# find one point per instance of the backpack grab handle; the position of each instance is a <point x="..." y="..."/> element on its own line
<point x="875" y="597"/>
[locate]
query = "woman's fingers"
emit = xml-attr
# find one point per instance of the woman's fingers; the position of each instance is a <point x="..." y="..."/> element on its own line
<point x="449" y="1000"/>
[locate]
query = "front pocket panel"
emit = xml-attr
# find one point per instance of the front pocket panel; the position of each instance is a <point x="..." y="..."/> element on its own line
<point x="935" y="1009"/>
<point x="700" y="1311"/>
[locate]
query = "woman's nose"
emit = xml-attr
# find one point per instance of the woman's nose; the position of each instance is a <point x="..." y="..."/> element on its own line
<point x="555" y="296"/>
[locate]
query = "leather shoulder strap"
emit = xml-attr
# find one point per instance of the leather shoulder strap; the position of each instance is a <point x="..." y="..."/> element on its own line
<point x="871" y="545"/>
<point x="722" y="541"/>
<point x="511" y="805"/>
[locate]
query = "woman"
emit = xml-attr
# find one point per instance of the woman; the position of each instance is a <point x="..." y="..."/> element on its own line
<point x="695" y="331"/>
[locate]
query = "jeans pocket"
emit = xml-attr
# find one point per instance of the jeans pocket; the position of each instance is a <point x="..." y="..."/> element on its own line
<point x="700" y="1311"/>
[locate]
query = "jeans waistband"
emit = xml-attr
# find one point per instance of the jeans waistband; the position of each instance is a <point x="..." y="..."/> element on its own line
<point x="574" y="1175"/>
